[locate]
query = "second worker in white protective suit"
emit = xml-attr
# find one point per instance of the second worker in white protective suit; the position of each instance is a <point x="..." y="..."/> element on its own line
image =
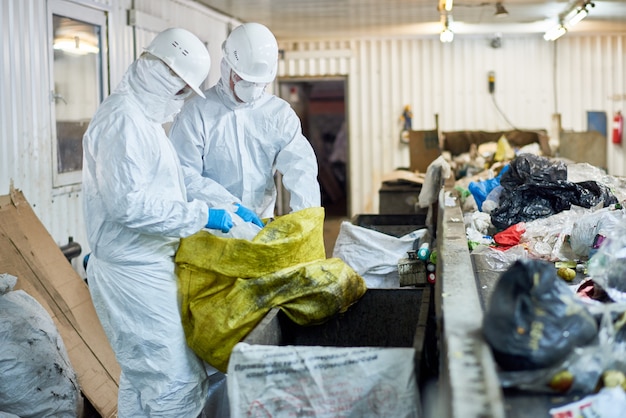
<point x="232" y="142"/>
<point x="136" y="210"/>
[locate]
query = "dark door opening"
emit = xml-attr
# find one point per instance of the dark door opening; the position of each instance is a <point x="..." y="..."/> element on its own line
<point x="320" y="104"/>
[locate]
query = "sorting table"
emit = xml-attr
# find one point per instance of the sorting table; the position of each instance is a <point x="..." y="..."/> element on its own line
<point x="468" y="373"/>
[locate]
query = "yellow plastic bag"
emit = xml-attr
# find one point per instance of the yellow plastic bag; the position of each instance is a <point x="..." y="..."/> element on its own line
<point x="228" y="285"/>
<point x="504" y="151"/>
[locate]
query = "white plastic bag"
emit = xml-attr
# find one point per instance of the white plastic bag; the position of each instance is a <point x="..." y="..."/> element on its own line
<point x="372" y="254"/>
<point x="607" y="403"/>
<point x="587" y="226"/>
<point x="437" y="171"/>
<point x="37" y="379"/>
<point x="324" y="382"/>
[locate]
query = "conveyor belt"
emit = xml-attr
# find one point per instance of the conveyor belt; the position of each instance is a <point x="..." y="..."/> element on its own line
<point x="468" y="375"/>
<point x="468" y="372"/>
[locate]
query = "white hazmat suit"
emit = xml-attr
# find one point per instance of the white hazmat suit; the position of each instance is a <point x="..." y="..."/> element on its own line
<point x="136" y="210"/>
<point x="230" y="150"/>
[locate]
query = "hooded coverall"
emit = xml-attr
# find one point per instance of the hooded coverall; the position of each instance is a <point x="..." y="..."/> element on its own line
<point x="136" y="210"/>
<point x="230" y="151"/>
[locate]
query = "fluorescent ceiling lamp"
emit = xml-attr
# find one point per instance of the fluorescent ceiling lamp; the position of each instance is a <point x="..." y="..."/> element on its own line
<point x="582" y="13"/>
<point x="555" y="33"/>
<point x="446" y="33"/>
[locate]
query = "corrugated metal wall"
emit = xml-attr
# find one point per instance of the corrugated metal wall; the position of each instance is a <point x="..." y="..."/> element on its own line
<point x="24" y="114"/>
<point x="591" y="76"/>
<point x="534" y="79"/>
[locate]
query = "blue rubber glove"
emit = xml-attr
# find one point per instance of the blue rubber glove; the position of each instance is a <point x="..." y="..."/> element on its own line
<point x="219" y="219"/>
<point x="248" y="216"/>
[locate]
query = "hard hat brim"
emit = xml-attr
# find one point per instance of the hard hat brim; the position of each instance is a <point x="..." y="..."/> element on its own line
<point x="198" y="92"/>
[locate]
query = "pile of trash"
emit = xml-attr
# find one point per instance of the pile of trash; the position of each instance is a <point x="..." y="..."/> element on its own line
<point x="556" y="317"/>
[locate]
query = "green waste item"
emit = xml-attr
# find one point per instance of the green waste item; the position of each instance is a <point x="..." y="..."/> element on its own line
<point x="228" y="285"/>
<point x="433" y="257"/>
<point x="472" y="244"/>
<point x="463" y="193"/>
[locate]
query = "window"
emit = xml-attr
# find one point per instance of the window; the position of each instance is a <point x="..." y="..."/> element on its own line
<point x="77" y="35"/>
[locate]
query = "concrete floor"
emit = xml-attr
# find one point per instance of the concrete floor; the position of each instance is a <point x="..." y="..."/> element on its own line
<point x="331" y="230"/>
<point x="335" y="214"/>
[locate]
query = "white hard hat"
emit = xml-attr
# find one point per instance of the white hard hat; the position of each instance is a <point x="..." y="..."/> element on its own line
<point x="251" y="51"/>
<point x="184" y="53"/>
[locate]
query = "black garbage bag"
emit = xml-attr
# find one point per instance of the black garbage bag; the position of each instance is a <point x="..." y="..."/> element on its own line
<point x="533" y="319"/>
<point x="535" y="187"/>
<point x="530" y="168"/>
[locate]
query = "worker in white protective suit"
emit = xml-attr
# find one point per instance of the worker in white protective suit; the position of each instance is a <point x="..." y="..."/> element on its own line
<point x="232" y="142"/>
<point x="136" y="210"/>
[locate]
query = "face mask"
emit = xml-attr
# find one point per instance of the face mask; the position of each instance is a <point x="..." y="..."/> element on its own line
<point x="172" y="108"/>
<point x="152" y="80"/>
<point x="224" y="84"/>
<point x="248" y="91"/>
<point x="184" y="93"/>
<point x="157" y="78"/>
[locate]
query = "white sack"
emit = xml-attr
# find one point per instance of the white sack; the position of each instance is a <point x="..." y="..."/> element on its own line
<point x="37" y="377"/>
<point x="322" y="382"/>
<point x="372" y="254"/>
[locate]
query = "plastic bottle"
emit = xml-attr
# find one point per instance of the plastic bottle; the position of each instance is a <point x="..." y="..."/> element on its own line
<point x="423" y="252"/>
<point x="423" y="246"/>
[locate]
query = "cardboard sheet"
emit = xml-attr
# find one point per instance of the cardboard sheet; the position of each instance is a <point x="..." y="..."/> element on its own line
<point x="399" y="176"/>
<point x="28" y="252"/>
<point x="424" y="149"/>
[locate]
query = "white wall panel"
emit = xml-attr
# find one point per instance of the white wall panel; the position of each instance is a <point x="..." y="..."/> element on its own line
<point x="592" y="77"/>
<point x="25" y="125"/>
<point x="534" y="79"/>
<point x="121" y="41"/>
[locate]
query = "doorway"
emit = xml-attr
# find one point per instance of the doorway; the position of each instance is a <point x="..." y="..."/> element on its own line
<point x="321" y="106"/>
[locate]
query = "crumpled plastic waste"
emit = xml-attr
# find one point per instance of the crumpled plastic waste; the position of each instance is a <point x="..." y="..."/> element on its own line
<point x="533" y="319"/>
<point x="536" y="187"/>
<point x="228" y="285"/>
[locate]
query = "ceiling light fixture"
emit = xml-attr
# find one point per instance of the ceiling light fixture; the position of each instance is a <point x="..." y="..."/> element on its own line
<point x="555" y="33"/>
<point x="446" y="35"/>
<point x="500" y="10"/>
<point x="568" y="19"/>
<point x="580" y="15"/>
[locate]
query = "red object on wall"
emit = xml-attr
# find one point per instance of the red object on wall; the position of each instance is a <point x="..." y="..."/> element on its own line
<point x="618" y="127"/>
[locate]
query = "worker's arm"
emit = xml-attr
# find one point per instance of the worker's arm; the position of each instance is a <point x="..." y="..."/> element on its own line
<point x="298" y="164"/>
<point x="188" y="137"/>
